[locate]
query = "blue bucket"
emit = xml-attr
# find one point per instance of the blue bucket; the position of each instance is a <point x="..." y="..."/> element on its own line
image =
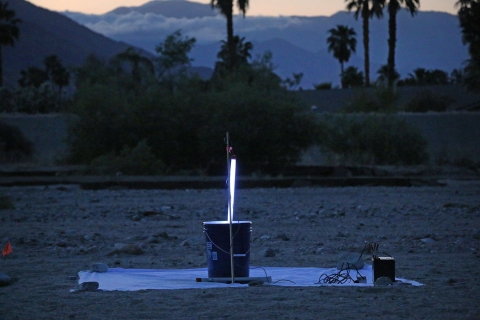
<point x="217" y="234"/>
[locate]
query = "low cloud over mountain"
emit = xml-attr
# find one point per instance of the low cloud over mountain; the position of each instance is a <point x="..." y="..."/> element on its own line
<point x="428" y="40"/>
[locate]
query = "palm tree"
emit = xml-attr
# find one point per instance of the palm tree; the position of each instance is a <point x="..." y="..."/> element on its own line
<point x="226" y="8"/>
<point x="383" y="75"/>
<point x="362" y="8"/>
<point x="393" y="7"/>
<point x="469" y="16"/>
<point x="342" y="43"/>
<point x="242" y="51"/>
<point x="33" y="76"/>
<point x="241" y="55"/>
<point x="57" y="73"/>
<point x="352" y="78"/>
<point x="139" y="64"/>
<point x="9" y="31"/>
<point x="419" y="76"/>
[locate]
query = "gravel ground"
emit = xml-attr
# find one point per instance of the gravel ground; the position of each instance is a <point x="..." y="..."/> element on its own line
<point x="432" y="232"/>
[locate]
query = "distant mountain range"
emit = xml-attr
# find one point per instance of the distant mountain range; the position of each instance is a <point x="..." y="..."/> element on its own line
<point x="174" y="9"/>
<point x="43" y="32"/>
<point x="430" y="40"/>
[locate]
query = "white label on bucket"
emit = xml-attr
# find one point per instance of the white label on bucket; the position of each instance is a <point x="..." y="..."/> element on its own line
<point x="209" y="246"/>
<point x="214" y="255"/>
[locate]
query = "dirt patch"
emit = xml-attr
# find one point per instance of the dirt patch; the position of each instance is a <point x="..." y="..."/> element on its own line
<point x="59" y="230"/>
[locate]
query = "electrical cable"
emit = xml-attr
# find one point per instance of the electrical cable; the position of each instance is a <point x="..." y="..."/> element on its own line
<point x="340" y="277"/>
<point x="343" y="275"/>
<point x="264" y="271"/>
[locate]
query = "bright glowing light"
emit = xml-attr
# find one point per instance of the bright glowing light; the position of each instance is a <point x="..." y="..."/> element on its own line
<point x="233" y="168"/>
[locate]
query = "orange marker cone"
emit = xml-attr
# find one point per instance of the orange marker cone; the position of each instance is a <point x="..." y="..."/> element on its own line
<point x="7" y="249"/>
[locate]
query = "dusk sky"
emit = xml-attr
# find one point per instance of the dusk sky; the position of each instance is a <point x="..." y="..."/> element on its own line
<point x="257" y="7"/>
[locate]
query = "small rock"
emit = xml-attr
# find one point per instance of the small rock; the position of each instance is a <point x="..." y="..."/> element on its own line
<point x="383" y="282"/>
<point x="5" y="279"/>
<point x="82" y="249"/>
<point x="136" y="217"/>
<point x="89" y="236"/>
<point x="133" y="249"/>
<point x="319" y="250"/>
<point x="343" y="234"/>
<point x="255" y="283"/>
<point x="93" y="248"/>
<point x="152" y="239"/>
<point x="99" y="267"/>
<point x="428" y="241"/>
<point x="283" y="236"/>
<point x="265" y="237"/>
<point x="163" y="235"/>
<point x="88" y="286"/>
<point x="268" y="252"/>
<point x="62" y="244"/>
<point x="119" y="246"/>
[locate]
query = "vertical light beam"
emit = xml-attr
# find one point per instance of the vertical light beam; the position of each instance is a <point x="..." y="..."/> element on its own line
<point x="233" y="168"/>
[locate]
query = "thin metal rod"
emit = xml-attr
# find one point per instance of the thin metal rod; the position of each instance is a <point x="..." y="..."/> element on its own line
<point x="230" y="210"/>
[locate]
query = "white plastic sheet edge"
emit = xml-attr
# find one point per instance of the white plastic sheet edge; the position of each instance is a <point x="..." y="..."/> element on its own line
<point x="119" y="279"/>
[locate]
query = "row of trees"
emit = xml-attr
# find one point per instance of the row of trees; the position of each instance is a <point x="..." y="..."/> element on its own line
<point x="226" y="8"/>
<point x="133" y="111"/>
<point x="9" y="28"/>
<point x="342" y="42"/>
<point x="469" y="15"/>
<point x="9" y="31"/>
<point x="40" y="90"/>
<point x="127" y="111"/>
<point x="134" y="122"/>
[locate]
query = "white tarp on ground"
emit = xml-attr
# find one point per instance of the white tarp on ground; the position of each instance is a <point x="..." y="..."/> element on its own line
<point x="154" y="279"/>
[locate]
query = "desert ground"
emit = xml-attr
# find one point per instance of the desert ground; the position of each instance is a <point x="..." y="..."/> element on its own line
<point x="433" y="232"/>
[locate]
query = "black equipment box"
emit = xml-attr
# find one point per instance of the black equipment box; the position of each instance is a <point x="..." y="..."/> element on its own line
<point x="383" y="267"/>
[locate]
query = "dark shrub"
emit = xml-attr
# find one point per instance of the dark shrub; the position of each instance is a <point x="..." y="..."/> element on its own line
<point x="137" y="161"/>
<point x="7" y="103"/>
<point x="379" y="100"/>
<point x="269" y="128"/>
<point x="373" y="139"/>
<point x="32" y="100"/>
<point x="185" y="123"/>
<point x="426" y="100"/>
<point x="14" y="147"/>
<point x="323" y="86"/>
<point x="186" y="130"/>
